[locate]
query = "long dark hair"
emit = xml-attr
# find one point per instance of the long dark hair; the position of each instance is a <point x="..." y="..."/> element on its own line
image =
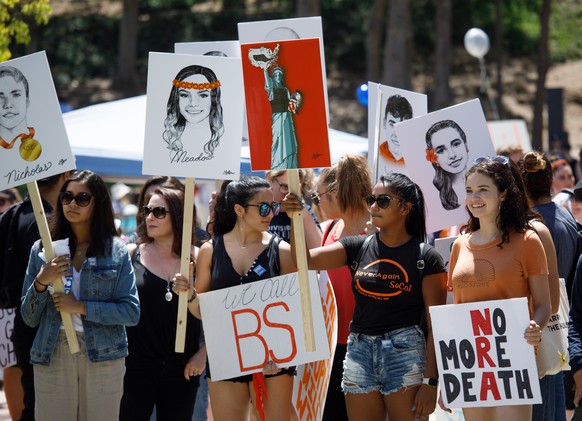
<point x="237" y="192"/>
<point x="409" y="192"/>
<point x="537" y="174"/>
<point x="175" y="123"/>
<point x="443" y="180"/>
<point x="102" y="222"/>
<point x="157" y="180"/>
<point x="174" y="199"/>
<point x="513" y="210"/>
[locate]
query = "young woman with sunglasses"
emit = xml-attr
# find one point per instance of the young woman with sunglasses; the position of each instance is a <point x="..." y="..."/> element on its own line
<point x="242" y="251"/>
<point x="341" y="192"/>
<point x="102" y="300"/>
<point x="512" y="262"/>
<point x="155" y="373"/>
<point x="390" y="368"/>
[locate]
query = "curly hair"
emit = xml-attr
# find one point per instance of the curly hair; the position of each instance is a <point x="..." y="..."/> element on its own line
<point x="175" y="123"/>
<point x="537" y="174"/>
<point x="443" y="180"/>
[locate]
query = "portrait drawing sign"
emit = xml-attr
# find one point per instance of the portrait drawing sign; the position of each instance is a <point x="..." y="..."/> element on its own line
<point x="209" y="48"/>
<point x="441" y="147"/>
<point x="397" y="105"/>
<point x="285" y="103"/>
<point x="194" y="115"/>
<point x="33" y="138"/>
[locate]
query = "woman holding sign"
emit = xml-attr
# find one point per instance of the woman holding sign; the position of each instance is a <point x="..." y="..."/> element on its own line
<point x="242" y="251"/>
<point x="499" y="248"/>
<point x="390" y="368"/>
<point x="102" y="300"/>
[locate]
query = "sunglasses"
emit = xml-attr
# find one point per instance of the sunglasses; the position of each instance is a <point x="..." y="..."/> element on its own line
<point x="266" y="208"/>
<point x="316" y="197"/>
<point x="3" y="201"/>
<point x="82" y="199"/>
<point x="159" y="212"/>
<point x="383" y="200"/>
<point x="499" y="158"/>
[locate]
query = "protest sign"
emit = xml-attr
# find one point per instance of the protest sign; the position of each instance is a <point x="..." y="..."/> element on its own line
<point x="483" y="358"/>
<point x="247" y="325"/>
<point x="312" y="380"/>
<point x="7" y="354"/>
<point x="396" y="105"/>
<point x="441" y="147"/>
<point x="509" y="133"/>
<point x="33" y="138"/>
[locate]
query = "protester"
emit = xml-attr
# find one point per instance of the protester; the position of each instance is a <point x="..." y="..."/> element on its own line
<point x="155" y="373"/>
<point x="101" y="301"/>
<point x="242" y="251"/>
<point x="563" y="177"/>
<point x="23" y="335"/>
<point x="341" y="192"/>
<point x="281" y="223"/>
<point x="575" y="335"/>
<point x="377" y="380"/>
<point x="537" y="174"/>
<point x="498" y="234"/>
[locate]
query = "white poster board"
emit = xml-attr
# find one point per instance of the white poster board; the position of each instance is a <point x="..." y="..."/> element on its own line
<point x="7" y="353"/>
<point x="209" y="48"/>
<point x="286" y="29"/>
<point x="194" y="116"/>
<point x="397" y="105"/>
<point x="509" y="132"/>
<point x="312" y="380"/>
<point x="441" y="147"/>
<point x="247" y="325"/>
<point x="483" y="358"/>
<point x="34" y="142"/>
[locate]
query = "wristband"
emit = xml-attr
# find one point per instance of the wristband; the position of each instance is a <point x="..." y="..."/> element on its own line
<point x="193" y="296"/>
<point x="430" y="381"/>
<point x="40" y="283"/>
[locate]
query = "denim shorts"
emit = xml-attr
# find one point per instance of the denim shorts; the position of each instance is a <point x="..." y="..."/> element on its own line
<point x="385" y="363"/>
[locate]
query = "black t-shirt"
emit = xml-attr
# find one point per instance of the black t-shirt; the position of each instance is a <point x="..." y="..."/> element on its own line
<point x="386" y="285"/>
<point x="281" y="225"/>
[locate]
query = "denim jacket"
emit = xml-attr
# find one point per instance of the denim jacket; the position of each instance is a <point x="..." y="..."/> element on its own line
<point x="110" y="294"/>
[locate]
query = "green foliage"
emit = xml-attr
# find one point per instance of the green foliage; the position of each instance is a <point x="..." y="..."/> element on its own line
<point x="566" y="30"/>
<point x="15" y="18"/>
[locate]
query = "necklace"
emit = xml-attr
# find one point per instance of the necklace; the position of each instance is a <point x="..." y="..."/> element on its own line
<point x="246" y="245"/>
<point x="168" y="296"/>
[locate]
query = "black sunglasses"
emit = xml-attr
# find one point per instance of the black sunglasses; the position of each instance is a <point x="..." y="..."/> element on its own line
<point x="316" y="197"/>
<point x="499" y="158"/>
<point x="383" y="200"/>
<point x="82" y="199"/>
<point x="159" y="211"/>
<point x="266" y="208"/>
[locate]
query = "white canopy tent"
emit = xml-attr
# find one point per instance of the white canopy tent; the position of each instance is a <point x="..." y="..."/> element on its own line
<point x="108" y="138"/>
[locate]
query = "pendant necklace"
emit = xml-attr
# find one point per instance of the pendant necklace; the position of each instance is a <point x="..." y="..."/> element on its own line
<point x="168" y="296"/>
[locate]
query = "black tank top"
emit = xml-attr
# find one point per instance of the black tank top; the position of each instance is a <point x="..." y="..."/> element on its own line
<point x="223" y="275"/>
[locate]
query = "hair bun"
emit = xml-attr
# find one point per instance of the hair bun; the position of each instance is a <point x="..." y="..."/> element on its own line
<point x="533" y="162"/>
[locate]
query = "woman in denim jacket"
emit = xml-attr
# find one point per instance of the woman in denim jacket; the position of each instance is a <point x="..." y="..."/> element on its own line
<point x="102" y="299"/>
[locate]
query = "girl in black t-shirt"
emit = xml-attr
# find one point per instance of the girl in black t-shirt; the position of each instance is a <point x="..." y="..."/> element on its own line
<point x="389" y="370"/>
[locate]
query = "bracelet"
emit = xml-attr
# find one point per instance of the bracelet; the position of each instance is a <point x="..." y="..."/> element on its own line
<point x="40" y="283"/>
<point x="193" y="296"/>
<point x="430" y="381"/>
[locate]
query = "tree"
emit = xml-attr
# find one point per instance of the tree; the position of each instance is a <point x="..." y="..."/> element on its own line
<point x="15" y="18"/>
<point x="543" y="65"/>
<point x="398" y="46"/>
<point x="308" y="8"/>
<point x="443" y="54"/>
<point x="374" y="39"/>
<point x="127" y="78"/>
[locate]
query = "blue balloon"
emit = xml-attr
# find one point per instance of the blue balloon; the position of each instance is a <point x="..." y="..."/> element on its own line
<point x="362" y="94"/>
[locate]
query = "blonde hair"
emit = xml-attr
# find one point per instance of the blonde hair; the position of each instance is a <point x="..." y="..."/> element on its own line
<point x="350" y="178"/>
<point x="306" y="178"/>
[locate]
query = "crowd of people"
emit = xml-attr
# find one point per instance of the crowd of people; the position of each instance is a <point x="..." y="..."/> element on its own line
<point x="122" y="295"/>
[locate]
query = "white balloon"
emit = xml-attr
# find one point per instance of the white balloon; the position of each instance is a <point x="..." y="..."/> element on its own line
<point x="476" y="42"/>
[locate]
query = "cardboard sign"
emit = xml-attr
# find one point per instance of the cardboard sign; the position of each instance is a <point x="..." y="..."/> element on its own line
<point x="509" y="132"/>
<point x="312" y="380"/>
<point x="33" y="139"/>
<point x="441" y="147"/>
<point x="483" y="358"/>
<point x="285" y="101"/>
<point x="7" y="354"/>
<point x="247" y="325"/>
<point x="397" y="105"/>
<point x="209" y="48"/>
<point x="193" y="116"/>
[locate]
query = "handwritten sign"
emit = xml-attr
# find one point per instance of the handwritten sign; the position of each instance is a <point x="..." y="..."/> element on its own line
<point x="312" y="380"/>
<point x="33" y="139"/>
<point x="247" y="325"/>
<point x="7" y="354"/>
<point x="483" y="359"/>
